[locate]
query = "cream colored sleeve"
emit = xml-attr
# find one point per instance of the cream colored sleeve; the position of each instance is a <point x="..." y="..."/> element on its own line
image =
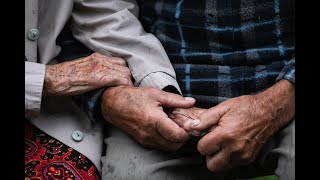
<point x="34" y="79"/>
<point x="111" y="27"/>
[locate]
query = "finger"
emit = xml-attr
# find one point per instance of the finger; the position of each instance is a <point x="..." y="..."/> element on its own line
<point x="117" y="60"/>
<point x="125" y="70"/>
<point x="173" y="100"/>
<point x="178" y="119"/>
<point x="155" y="140"/>
<point x="124" y="77"/>
<point x="219" y="162"/>
<point x="113" y="78"/>
<point x="197" y="111"/>
<point x="212" y="142"/>
<point x="181" y="117"/>
<point x="184" y="117"/>
<point x="112" y="59"/>
<point x="169" y="129"/>
<point x="209" y="118"/>
<point x="184" y="122"/>
<point x="165" y="145"/>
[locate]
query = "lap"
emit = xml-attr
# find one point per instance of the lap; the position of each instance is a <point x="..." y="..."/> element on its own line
<point x="126" y="159"/>
<point x="282" y="148"/>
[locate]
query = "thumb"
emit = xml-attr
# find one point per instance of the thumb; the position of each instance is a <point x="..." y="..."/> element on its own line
<point x="209" y="118"/>
<point x="174" y="101"/>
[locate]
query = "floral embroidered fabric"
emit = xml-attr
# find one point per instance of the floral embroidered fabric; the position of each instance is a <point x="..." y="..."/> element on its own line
<point x="46" y="158"/>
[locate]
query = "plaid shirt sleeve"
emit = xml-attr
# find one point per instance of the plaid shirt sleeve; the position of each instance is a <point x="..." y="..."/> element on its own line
<point x="90" y="103"/>
<point x="288" y="72"/>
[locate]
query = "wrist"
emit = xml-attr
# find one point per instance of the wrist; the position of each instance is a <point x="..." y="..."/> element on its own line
<point x="48" y="80"/>
<point x="279" y="102"/>
<point x="52" y="81"/>
<point x="111" y="90"/>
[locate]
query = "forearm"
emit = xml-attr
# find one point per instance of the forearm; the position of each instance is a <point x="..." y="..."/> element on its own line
<point x="118" y="32"/>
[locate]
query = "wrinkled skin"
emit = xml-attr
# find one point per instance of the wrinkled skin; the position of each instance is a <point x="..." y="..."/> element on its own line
<point x="184" y="118"/>
<point x="85" y="74"/>
<point x="243" y="125"/>
<point x="140" y="113"/>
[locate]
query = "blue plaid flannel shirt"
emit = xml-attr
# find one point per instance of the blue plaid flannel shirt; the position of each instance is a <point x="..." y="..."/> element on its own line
<point x="222" y="49"/>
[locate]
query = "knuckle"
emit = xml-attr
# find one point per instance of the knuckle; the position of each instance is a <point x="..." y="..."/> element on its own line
<point x="127" y="82"/>
<point x="122" y="61"/>
<point x="122" y="81"/>
<point x="174" y="136"/>
<point x="229" y="135"/>
<point x="117" y="79"/>
<point x="154" y="90"/>
<point x="239" y="148"/>
<point x="242" y="145"/>
<point x="148" y="116"/>
<point x="96" y="60"/>
<point x="127" y="72"/>
<point x="185" y="125"/>
<point x="96" y="55"/>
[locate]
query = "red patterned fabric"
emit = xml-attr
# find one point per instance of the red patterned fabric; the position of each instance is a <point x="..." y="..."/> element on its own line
<point x="46" y="158"/>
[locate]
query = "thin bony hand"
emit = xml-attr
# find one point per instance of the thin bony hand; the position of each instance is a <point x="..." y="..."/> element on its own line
<point x="85" y="74"/>
<point x="140" y="113"/>
<point x="243" y="125"/>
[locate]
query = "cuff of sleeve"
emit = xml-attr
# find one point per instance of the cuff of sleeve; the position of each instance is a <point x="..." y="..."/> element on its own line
<point x="34" y="80"/>
<point x="288" y="72"/>
<point x="90" y="103"/>
<point x="159" y="80"/>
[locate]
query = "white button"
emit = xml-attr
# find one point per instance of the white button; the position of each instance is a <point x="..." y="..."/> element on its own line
<point x="77" y="136"/>
<point x="33" y="34"/>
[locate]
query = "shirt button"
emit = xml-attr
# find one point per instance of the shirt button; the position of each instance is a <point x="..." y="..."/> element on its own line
<point x="77" y="136"/>
<point x="33" y="34"/>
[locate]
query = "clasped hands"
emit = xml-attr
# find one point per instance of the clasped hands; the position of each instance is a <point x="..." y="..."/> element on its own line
<point x="235" y="130"/>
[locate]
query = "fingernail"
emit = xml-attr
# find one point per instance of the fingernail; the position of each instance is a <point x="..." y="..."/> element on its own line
<point x="189" y="98"/>
<point x="195" y="122"/>
<point x="196" y="133"/>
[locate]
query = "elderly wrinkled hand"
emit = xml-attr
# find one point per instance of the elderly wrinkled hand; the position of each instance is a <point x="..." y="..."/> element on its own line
<point x="85" y="74"/>
<point x="243" y="125"/>
<point x="140" y="113"/>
